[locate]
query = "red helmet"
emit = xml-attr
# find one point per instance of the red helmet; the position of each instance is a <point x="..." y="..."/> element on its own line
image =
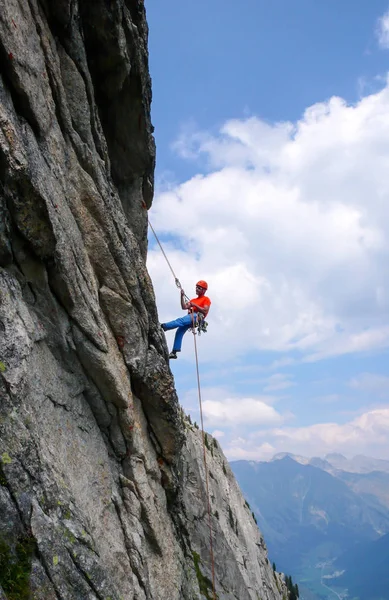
<point x="202" y="284"/>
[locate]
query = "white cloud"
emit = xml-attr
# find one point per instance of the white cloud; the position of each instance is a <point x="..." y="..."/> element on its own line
<point x="376" y="338"/>
<point x="383" y="30"/>
<point x="372" y="383"/>
<point x="366" y="434"/>
<point x="290" y="226"/>
<point x="240" y="411"/>
<point x="370" y="428"/>
<point x="238" y="451"/>
<point x="278" y="381"/>
<point x="217" y="433"/>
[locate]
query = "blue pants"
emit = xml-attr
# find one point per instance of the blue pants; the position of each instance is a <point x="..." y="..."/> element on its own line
<point x="183" y="324"/>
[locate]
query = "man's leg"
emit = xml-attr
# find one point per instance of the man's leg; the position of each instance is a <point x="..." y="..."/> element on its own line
<point x="181" y="331"/>
<point x="180" y="322"/>
<point x="182" y="325"/>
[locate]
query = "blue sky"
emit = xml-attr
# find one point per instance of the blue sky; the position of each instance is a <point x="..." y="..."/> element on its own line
<point x="272" y="136"/>
<point x="210" y="62"/>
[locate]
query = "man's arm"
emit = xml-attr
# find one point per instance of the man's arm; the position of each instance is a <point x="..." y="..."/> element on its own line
<point x="184" y="305"/>
<point x="201" y="309"/>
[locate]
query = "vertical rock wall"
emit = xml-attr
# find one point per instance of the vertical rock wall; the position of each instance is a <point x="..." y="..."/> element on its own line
<point x="100" y="474"/>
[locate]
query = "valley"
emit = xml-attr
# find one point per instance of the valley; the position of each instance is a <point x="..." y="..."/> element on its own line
<point x="325" y="521"/>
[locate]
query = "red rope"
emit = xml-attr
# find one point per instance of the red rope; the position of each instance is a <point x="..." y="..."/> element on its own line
<point x="205" y="462"/>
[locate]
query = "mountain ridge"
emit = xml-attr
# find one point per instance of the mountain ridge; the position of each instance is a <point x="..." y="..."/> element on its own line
<point x="357" y="464"/>
<point x="311" y="513"/>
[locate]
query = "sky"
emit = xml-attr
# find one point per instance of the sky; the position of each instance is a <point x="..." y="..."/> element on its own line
<point x="272" y="184"/>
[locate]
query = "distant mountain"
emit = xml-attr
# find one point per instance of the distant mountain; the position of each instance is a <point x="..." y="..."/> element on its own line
<point x="337" y="462"/>
<point x="366" y="573"/>
<point x="310" y="516"/>
<point x="357" y="464"/>
<point x="301" y="502"/>
<point x="368" y="477"/>
<point x="321" y="463"/>
<point x="301" y="459"/>
<point x="373" y="487"/>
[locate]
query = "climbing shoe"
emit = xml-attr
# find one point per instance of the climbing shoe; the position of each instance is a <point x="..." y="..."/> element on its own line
<point x="173" y="355"/>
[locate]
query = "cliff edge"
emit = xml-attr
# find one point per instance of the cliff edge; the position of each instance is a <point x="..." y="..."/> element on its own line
<point x="101" y="475"/>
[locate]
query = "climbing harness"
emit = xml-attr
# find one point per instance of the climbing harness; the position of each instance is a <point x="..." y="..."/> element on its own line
<point x="201" y="326"/>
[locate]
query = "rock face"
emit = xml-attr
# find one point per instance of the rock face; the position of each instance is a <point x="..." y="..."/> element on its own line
<point x="101" y="475"/>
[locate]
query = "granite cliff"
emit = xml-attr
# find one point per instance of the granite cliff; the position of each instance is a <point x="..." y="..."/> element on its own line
<point x="102" y="491"/>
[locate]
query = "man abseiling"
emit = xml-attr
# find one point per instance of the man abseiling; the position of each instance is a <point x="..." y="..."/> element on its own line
<point x="197" y="308"/>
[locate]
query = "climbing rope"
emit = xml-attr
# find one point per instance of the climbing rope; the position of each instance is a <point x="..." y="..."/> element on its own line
<point x="205" y="462"/>
<point x="178" y="284"/>
<point x="176" y="280"/>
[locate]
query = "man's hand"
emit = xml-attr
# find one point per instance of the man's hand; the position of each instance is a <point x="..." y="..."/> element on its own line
<point x="183" y="302"/>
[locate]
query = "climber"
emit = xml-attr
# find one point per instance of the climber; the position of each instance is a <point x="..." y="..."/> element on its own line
<point x="197" y="308"/>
